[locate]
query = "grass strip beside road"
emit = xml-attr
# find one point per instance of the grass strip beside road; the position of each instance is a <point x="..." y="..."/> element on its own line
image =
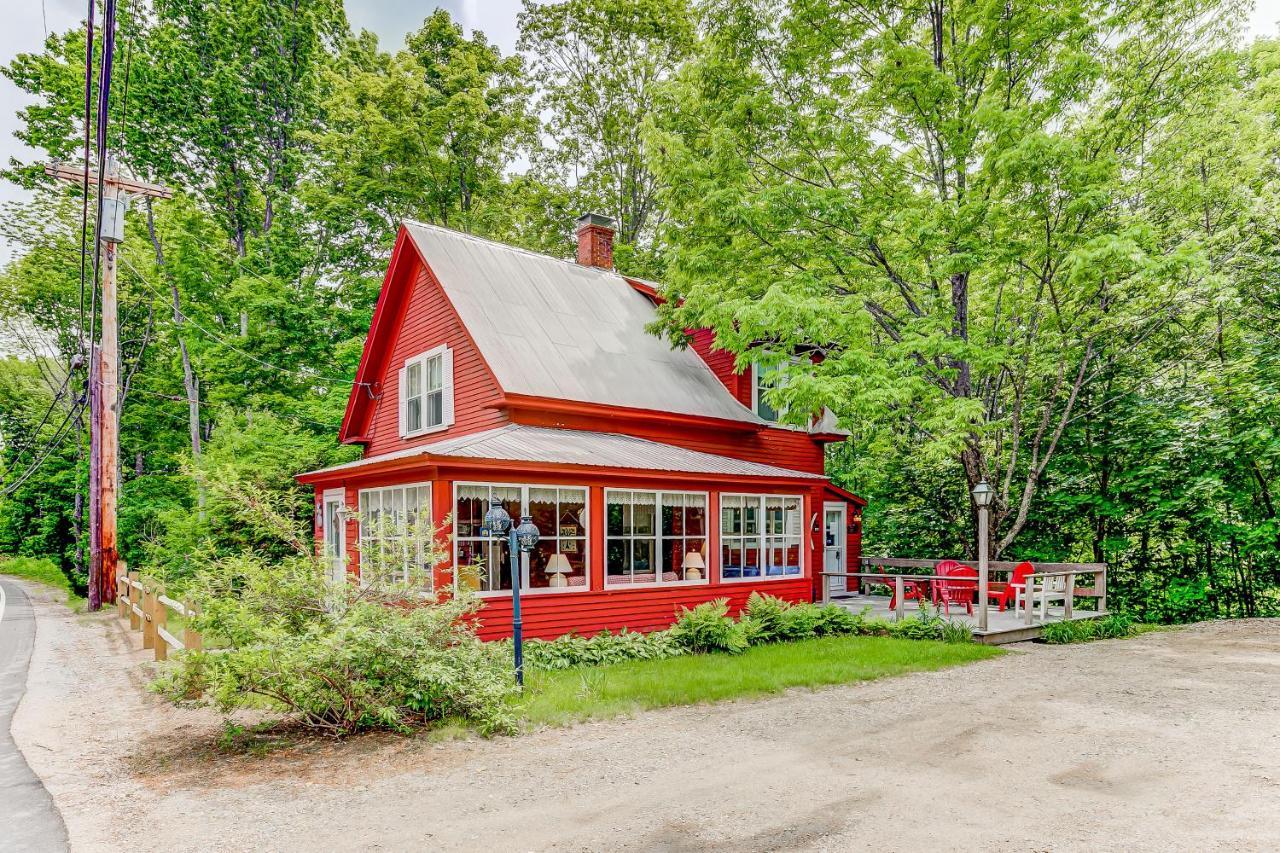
<point x="589" y="693"/>
<point x="43" y="571"/>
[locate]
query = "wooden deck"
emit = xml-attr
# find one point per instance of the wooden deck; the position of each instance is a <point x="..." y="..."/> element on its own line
<point x="1003" y="627"/>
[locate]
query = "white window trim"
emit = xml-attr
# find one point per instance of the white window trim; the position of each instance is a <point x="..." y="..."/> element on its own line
<point x="360" y="516"/>
<point x="446" y="388"/>
<point x="658" y="537"/>
<point x="525" y="588"/>
<point x="326" y="497"/>
<point x="755" y="396"/>
<point x="761" y="538"/>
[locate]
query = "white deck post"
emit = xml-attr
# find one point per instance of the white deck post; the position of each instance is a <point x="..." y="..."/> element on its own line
<point x="897" y="587"/>
<point x="1029" y="598"/>
<point x="1070" y="600"/>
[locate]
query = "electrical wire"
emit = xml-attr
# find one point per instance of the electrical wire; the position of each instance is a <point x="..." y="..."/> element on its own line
<point x="303" y="372"/>
<point x="59" y="437"/>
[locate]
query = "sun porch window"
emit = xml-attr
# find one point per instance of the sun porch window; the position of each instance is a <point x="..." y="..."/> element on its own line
<point x="760" y="536"/>
<point x="395" y="533"/>
<point x="558" y="564"/>
<point x="655" y="537"/>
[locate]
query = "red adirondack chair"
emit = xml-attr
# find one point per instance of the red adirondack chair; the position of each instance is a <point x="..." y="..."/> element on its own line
<point x="911" y="591"/>
<point x="1006" y="594"/>
<point x="943" y="568"/>
<point x="956" y="586"/>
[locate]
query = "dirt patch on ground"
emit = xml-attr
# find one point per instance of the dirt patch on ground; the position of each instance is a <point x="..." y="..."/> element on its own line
<point x="1168" y="741"/>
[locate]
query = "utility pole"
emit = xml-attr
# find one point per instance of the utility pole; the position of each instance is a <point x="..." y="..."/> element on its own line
<point x="104" y="371"/>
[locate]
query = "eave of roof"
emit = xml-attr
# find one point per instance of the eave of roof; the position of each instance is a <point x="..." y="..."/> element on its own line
<point x="544" y="445"/>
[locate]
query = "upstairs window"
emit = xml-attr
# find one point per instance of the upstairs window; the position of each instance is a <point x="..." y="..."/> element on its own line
<point x="764" y="377"/>
<point x="426" y="392"/>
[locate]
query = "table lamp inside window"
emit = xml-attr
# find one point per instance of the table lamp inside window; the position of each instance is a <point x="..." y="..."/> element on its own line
<point x="693" y="566"/>
<point x="557" y="567"/>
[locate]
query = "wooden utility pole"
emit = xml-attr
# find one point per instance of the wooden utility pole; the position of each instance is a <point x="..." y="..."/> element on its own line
<point x="104" y="372"/>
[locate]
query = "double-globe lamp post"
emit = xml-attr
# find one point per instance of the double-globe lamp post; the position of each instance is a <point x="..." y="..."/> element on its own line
<point x="983" y="495"/>
<point x="521" y="539"/>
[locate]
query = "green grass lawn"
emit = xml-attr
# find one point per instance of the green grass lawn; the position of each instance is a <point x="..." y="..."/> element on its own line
<point x="554" y="698"/>
<point x="41" y="571"/>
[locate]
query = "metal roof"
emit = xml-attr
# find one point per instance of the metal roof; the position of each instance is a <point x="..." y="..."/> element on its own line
<point x="557" y="329"/>
<point x="519" y="443"/>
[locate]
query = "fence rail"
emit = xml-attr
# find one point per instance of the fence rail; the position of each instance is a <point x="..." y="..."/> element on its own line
<point x="1052" y="582"/>
<point x="143" y="602"/>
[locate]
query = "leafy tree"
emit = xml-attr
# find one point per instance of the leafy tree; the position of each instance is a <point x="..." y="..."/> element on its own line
<point x="600" y="64"/>
<point x="932" y="198"/>
<point x="425" y="134"/>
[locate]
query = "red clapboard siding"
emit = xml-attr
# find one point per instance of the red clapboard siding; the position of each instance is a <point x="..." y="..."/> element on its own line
<point x="428" y="321"/>
<point x="721" y="364"/>
<point x="785" y="448"/>
<point x="550" y="615"/>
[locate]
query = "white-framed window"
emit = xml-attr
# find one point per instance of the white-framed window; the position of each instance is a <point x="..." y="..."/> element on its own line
<point x="558" y="564"/>
<point x="426" y="392"/>
<point x="763" y="377"/>
<point x="395" y="532"/>
<point x="655" y="537"/>
<point x="761" y="537"/>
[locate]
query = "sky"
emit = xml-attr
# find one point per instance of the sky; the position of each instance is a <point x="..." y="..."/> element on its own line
<point x="27" y="21"/>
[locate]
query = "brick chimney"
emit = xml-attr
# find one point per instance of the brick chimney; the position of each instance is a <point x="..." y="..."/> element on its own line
<point x="595" y="241"/>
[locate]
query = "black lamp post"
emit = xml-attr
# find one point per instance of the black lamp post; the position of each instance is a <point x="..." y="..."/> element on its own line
<point x="520" y="540"/>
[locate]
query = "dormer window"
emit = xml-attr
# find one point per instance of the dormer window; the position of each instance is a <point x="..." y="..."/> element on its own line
<point x="761" y="382"/>
<point x="426" y="393"/>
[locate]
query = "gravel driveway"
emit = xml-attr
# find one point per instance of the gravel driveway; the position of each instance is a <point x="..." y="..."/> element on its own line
<point x="1166" y="742"/>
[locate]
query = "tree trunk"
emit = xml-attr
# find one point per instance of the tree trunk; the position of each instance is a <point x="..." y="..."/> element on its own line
<point x="190" y="382"/>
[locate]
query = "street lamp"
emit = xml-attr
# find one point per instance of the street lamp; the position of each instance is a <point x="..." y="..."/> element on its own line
<point x="983" y="495"/>
<point x="520" y="540"/>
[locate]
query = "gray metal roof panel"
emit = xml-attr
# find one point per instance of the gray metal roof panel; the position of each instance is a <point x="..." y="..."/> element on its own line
<point x="519" y="443"/>
<point x="525" y="311"/>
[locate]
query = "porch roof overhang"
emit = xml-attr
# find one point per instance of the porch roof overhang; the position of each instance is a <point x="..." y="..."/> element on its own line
<point x="517" y="443"/>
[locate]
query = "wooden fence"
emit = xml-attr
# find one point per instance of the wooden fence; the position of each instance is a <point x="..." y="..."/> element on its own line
<point x="142" y="601"/>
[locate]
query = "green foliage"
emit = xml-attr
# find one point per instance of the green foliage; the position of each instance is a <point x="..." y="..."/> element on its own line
<point x="600" y="64"/>
<point x="1110" y="627"/>
<point x="337" y="658"/>
<point x="707" y="627"/>
<point x="559" y="697"/>
<point x="572" y="651"/>
<point x="41" y="570"/>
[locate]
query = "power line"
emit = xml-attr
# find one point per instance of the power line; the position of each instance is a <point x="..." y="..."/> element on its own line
<point x="59" y="437"/>
<point x="34" y="433"/>
<point x="304" y="372"/>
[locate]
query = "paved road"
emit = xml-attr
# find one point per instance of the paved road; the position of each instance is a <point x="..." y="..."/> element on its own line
<point x="29" y="821"/>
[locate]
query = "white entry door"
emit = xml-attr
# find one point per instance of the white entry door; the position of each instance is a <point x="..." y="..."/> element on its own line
<point x="835" y="546"/>
<point x="335" y="535"/>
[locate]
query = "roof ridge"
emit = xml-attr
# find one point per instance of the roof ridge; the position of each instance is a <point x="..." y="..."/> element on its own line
<point x="501" y="245"/>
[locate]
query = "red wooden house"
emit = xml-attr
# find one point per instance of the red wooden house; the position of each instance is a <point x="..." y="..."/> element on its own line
<point x="658" y="477"/>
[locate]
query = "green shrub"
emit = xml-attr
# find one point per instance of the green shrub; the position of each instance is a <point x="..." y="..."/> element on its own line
<point x="38" y="569"/>
<point x="834" y="620"/>
<point x="571" y="650"/>
<point x="767" y="613"/>
<point x="337" y="658"/>
<point x="709" y="628"/>
<point x="1113" y="626"/>
<point x="956" y="632"/>
<point x="800" y="621"/>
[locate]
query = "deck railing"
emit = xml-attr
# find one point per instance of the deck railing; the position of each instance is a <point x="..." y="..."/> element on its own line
<point x="1051" y="582"/>
<point x="142" y="601"/>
